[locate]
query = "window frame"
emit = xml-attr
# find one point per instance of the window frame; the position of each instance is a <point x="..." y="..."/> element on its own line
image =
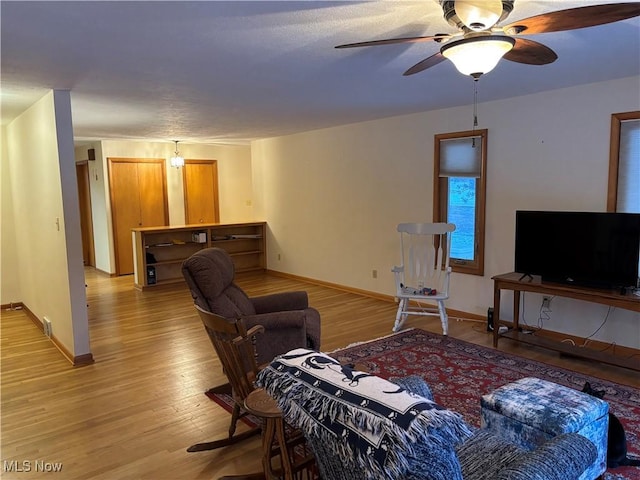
<point x="614" y="156"/>
<point x="440" y="200"/>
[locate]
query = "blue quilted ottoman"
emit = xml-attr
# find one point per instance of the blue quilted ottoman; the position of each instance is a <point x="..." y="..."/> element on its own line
<point x="530" y="411"/>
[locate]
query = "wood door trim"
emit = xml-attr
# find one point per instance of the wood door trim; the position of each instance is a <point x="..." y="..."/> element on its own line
<point x="216" y="198"/>
<point x="614" y="156"/>
<point x="82" y="169"/>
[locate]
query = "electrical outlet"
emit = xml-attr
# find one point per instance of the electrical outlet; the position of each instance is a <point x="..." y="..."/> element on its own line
<point x="47" y="327"/>
<point x="374" y="273"/>
<point x="546" y="302"/>
<point x="279" y="257"/>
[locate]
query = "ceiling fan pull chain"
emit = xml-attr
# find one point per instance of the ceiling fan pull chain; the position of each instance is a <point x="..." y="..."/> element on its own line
<point x="475" y="112"/>
<point x="475" y="104"/>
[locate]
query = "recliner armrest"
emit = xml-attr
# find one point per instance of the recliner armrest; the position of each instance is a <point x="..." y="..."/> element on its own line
<point x="282" y="332"/>
<point x="293" y="319"/>
<point x="278" y="302"/>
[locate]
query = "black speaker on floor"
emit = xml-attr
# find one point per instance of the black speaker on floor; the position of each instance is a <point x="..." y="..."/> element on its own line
<point x="490" y="319"/>
<point x="151" y="275"/>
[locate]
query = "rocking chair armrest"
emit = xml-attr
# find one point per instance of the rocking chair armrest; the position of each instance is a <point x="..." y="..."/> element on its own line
<point x="398" y="269"/>
<point x="253" y="331"/>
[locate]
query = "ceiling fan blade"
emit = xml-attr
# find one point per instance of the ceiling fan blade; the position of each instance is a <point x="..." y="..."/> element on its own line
<point x="434" y="59"/>
<point x="438" y="37"/>
<point x="530" y="52"/>
<point x="574" y="18"/>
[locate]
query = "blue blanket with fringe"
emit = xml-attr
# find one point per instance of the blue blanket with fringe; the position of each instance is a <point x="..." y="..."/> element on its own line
<point x="361" y="417"/>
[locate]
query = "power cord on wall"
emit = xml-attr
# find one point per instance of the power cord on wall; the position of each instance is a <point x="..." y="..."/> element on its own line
<point x="606" y="317"/>
<point x="587" y="340"/>
<point x="527" y="328"/>
<point x="545" y="311"/>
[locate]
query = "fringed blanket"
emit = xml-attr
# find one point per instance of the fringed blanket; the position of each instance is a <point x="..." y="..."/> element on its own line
<point x="366" y="420"/>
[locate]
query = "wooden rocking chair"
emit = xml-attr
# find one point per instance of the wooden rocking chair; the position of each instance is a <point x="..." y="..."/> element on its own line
<point x="234" y="345"/>
<point x="424" y="273"/>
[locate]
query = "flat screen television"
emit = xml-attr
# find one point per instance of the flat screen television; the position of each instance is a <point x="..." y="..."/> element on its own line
<point x="591" y="249"/>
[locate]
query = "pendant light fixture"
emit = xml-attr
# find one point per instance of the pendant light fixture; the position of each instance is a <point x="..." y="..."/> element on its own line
<point x="177" y="161"/>
<point x="477" y="55"/>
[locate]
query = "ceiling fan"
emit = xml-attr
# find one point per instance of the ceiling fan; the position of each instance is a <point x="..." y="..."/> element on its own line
<point x="481" y="42"/>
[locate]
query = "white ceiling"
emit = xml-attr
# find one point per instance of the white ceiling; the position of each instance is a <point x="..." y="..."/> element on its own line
<point x="234" y="71"/>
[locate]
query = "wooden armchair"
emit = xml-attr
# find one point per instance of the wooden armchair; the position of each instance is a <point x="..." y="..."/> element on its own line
<point x="234" y="345"/>
<point x="424" y="273"/>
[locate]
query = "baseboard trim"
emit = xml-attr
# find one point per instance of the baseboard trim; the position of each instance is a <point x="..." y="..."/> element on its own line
<point x="76" y="361"/>
<point x="104" y="272"/>
<point x="366" y="293"/>
<point x="459" y="314"/>
<point x="618" y="350"/>
<point x="12" y="306"/>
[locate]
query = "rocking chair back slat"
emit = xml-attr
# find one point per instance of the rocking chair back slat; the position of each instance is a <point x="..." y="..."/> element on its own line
<point x="234" y="346"/>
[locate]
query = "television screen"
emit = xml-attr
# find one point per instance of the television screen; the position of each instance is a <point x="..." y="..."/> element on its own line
<point x="591" y="249"/>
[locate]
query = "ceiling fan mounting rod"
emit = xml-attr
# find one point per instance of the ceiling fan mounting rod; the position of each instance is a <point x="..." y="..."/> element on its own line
<point x="471" y="9"/>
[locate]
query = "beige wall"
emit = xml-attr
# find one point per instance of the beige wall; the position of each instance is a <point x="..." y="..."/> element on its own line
<point x="332" y="198"/>
<point x="234" y="180"/>
<point x="39" y="176"/>
<point x="10" y="280"/>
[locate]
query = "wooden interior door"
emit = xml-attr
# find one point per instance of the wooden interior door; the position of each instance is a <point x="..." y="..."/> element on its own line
<point x="86" y="219"/>
<point x="200" y="180"/>
<point x="153" y="195"/>
<point x="138" y="199"/>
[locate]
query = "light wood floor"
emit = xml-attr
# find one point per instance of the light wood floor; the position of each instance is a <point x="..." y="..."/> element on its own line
<point x="133" y="413"/>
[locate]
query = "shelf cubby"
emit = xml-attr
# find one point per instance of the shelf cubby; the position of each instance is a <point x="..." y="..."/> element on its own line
<point x="160" y="251"/>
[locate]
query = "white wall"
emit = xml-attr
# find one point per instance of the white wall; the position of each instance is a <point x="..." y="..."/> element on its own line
<point x="234" y="185"/>
<point x="40" y="178"/>
<point x="333" y="197"/>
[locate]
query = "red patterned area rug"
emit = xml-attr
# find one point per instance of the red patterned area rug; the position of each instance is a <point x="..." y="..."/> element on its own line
<point x="226" y="402"/>
<point x="459" y="373"/>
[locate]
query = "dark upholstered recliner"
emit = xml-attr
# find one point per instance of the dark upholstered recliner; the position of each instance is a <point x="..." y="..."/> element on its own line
<point x="287" y="319"/>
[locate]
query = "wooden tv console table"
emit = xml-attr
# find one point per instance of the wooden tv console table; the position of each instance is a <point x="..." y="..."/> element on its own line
<point x="515" y="281"/>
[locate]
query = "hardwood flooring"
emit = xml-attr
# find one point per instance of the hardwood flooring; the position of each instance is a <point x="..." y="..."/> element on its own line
<point x="133" y="413"/>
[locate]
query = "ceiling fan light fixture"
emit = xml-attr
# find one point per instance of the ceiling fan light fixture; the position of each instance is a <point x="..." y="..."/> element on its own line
<point x="476" y="56"/>
<point x="177" y="161"/>
<point x="478" y="14"/>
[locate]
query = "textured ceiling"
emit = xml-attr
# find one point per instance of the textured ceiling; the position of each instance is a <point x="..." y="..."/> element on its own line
<point x="230" y="72"/>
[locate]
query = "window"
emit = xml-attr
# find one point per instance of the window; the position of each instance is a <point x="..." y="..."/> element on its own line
<point x="459" y="195"/>
<point x="624" y="163"/>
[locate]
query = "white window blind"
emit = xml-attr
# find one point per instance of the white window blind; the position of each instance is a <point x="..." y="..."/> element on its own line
<point x="461" y="157"/>
<point x="629" y="167"/>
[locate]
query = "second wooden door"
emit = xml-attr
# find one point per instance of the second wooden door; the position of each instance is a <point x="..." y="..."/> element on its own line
<point x="200" y="179"/>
